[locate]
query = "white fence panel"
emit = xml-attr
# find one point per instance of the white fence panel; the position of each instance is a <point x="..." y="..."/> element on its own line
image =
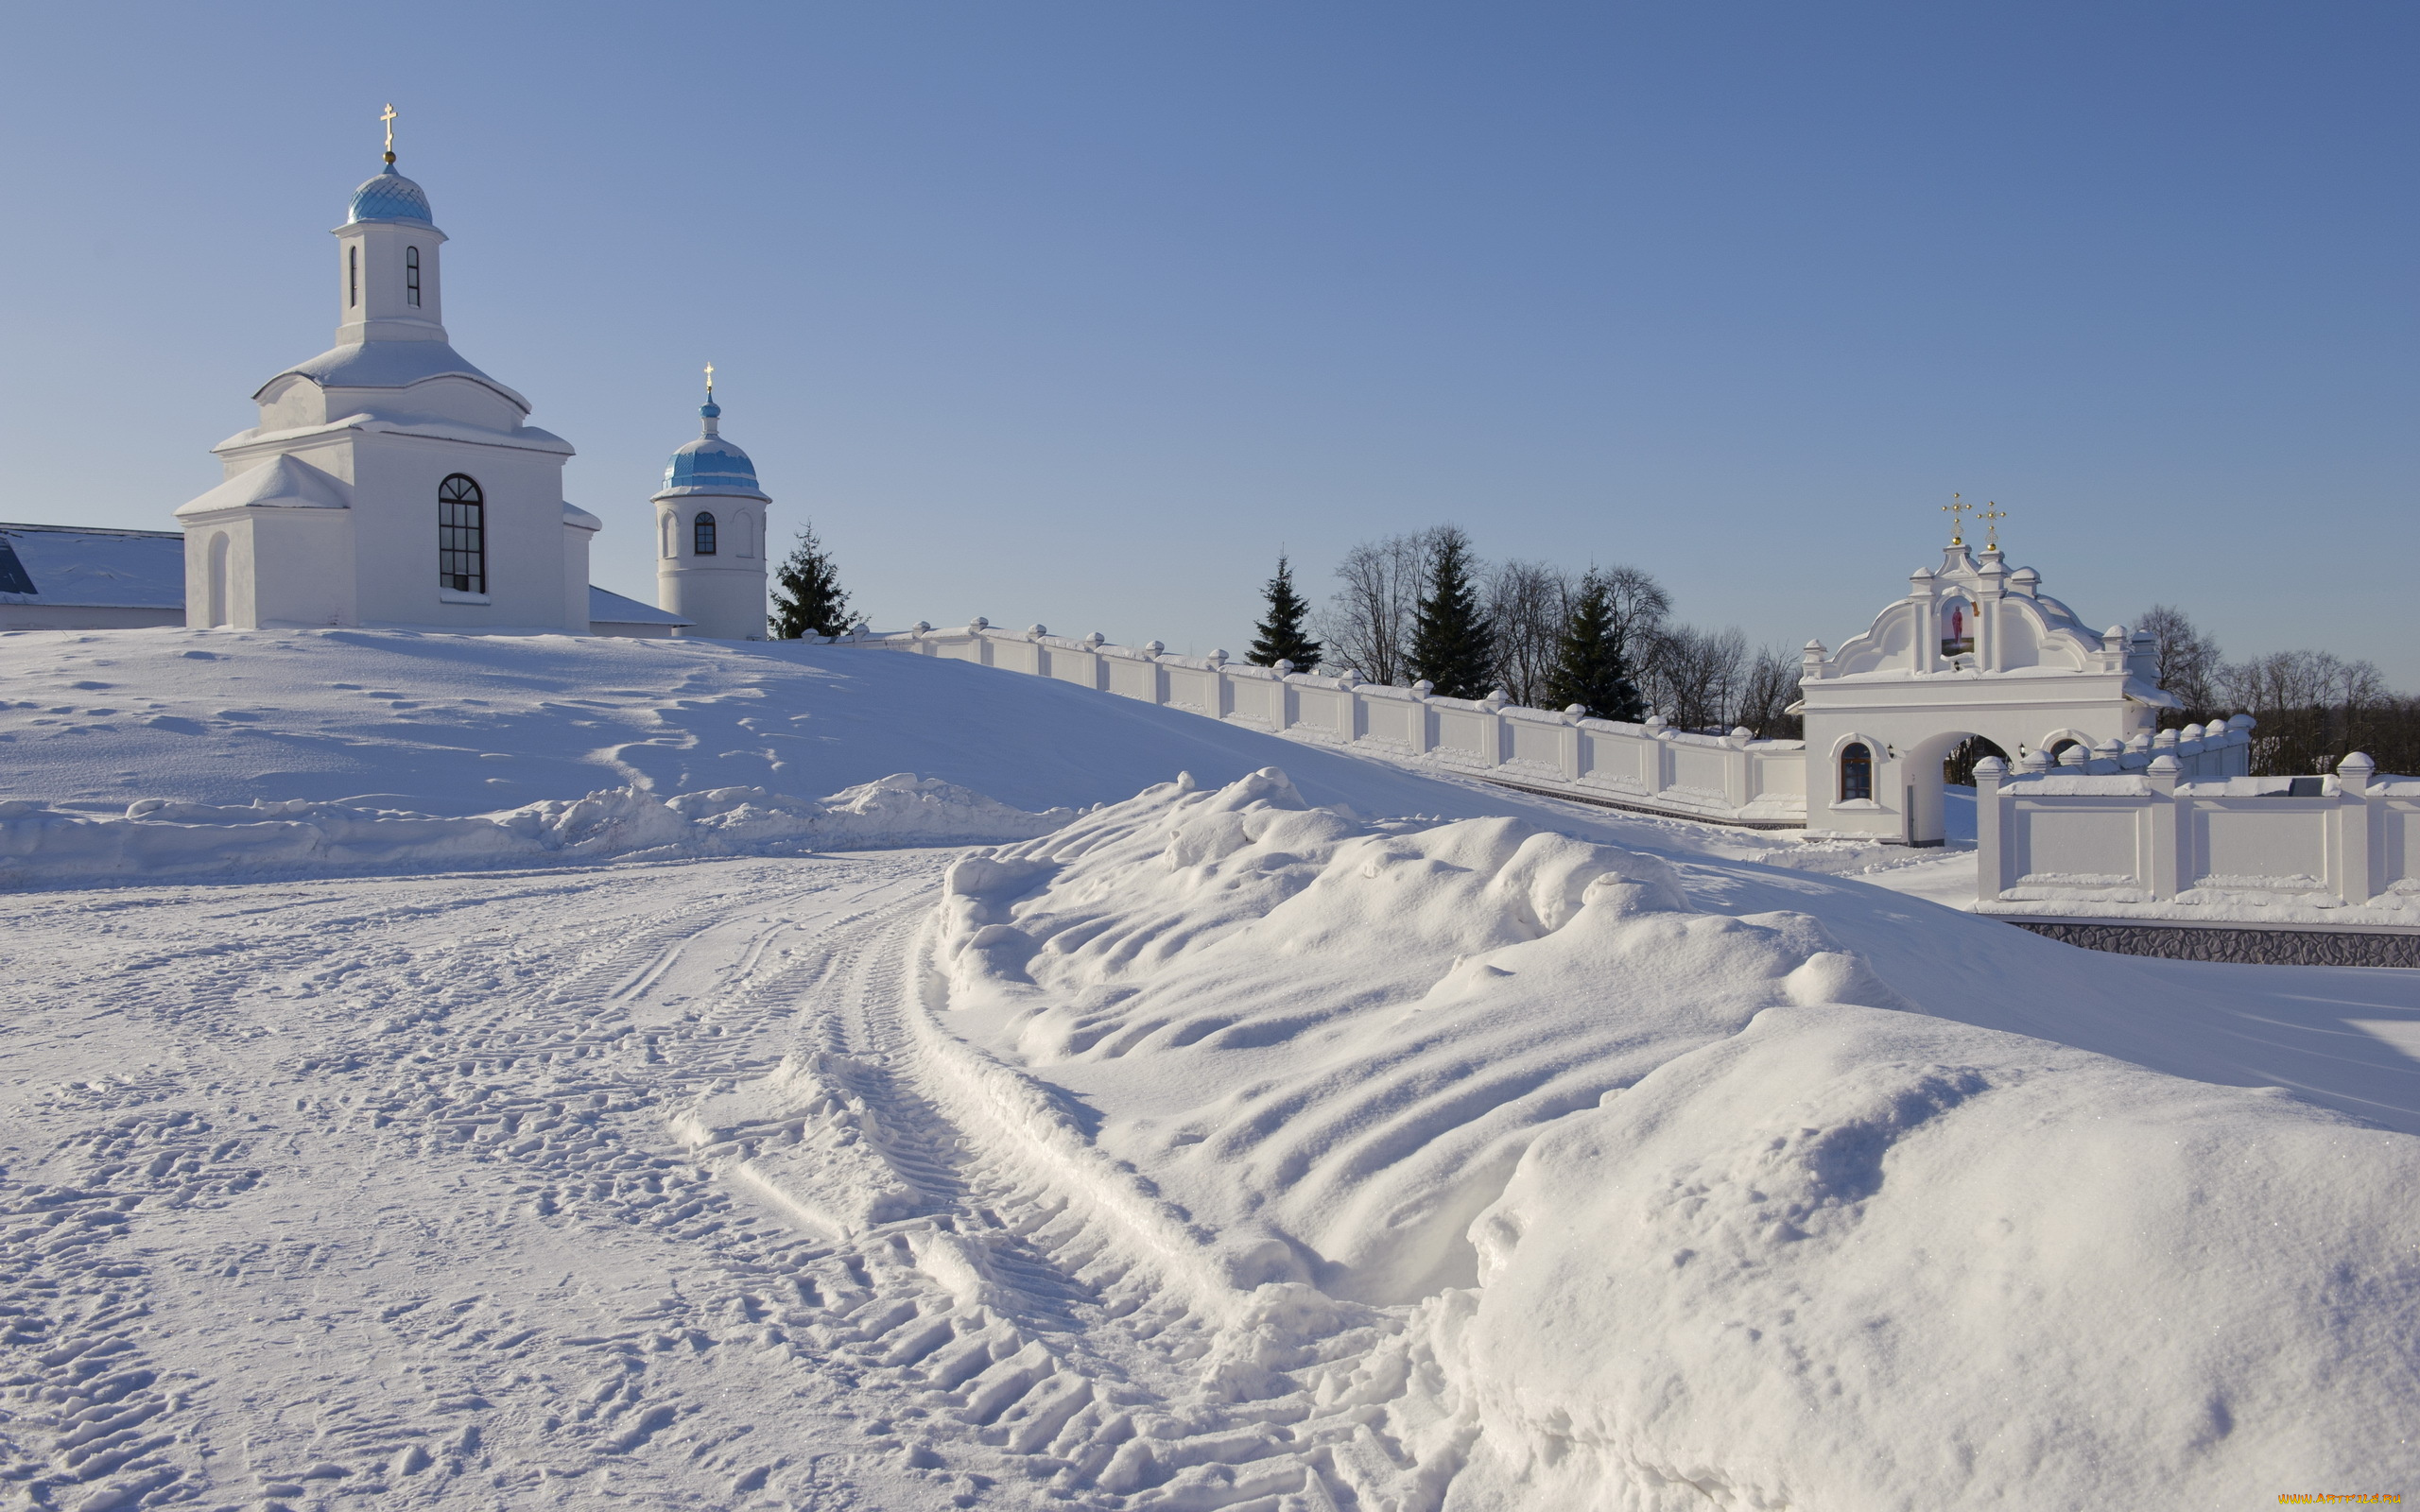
<point x="1189" y="688"/>
<point x="1700" y="770"/>
<point x="2248" y="841"/>
<point x="1326" y="709"/>
<point x="2084" y="847"/>
<point x="1262" y="704"/>
<point x="1540" y="745"/>
<point x="1746" y="783"/>
<point x="1466" y="734"/>
<point x="2223" y="850"/>
<point x="1133" y="679"/>
<point x="1388" y="720"/>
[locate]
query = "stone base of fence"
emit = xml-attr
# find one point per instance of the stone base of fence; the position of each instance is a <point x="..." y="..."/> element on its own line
<point x="2239" y="945"/>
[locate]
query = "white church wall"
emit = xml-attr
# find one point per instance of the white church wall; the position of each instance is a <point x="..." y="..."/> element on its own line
<point x="246" y="568"/>
<point x="527" y="573"/>
<point x="301" y="564"/>
<point x="1734" y="779"/>
<point x="724" y="593"/>
<point x="579" y="530"/>
<point x="2154" y="844"/>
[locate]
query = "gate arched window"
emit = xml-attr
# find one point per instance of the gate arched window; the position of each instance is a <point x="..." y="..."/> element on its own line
<point x="462" y="536"/>
<point x="701" y="535"/>
<point x="1857" y="771"/>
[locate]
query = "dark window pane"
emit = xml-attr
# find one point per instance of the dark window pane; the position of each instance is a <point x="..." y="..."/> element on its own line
<point x="1856" y="772"/>
<point x="462" y="536"/>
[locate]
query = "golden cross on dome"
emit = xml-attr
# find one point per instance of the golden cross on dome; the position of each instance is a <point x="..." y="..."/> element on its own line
<point x="1992" y="514"/>
<point x="388" y="116"/>
<point x="1956" y="508"/>
<point x="710" y="381"/>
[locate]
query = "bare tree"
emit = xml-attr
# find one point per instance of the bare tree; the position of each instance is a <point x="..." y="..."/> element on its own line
<point x="1367" y="625"/>
<point x="1527" y="603"/>
<point x="2314" y="708"/>
<point x="2188" y="657"/>
<point x="1694" y="677"/>
<point x="1640" y="607"/>
<point x="1765" y="697"/>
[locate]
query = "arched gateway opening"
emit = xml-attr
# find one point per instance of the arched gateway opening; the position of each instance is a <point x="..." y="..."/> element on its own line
<point x="1932" y="767"/>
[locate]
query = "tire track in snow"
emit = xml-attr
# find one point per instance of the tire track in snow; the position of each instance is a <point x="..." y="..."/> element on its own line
<point x="523" y="1049"/>
<point x="1044" y="1345"/>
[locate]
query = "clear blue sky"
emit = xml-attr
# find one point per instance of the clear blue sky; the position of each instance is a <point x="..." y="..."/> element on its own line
<point x="1076" y="311"/>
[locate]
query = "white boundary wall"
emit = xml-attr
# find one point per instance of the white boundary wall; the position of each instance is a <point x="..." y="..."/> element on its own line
<point x="1734" y="779"/>
<point x="2074" y="842"/>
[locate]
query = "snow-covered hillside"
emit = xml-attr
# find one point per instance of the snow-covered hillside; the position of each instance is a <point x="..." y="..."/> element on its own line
<point x="456" y="725"/>
<point x="1301" y="1133"/>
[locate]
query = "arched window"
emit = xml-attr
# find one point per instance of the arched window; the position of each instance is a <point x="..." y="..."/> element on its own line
<point x="462" y="536"/>
<point x="701" y="535"/>
<point x="411" y="275"/>
<point x="351" y="275"/>
<point x="1857" y="771"/>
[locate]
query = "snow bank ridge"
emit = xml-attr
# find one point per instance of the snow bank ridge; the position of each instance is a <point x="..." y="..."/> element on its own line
<point x="1656" y="1207"/>
<point x="1372" y="1014"/>
<point x="164" y="838"/>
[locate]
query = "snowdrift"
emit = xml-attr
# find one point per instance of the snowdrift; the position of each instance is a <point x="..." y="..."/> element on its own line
<point x="158" y="838"/>
<point x="1685" y="1205"/>
<point x="1860" y="1259"/>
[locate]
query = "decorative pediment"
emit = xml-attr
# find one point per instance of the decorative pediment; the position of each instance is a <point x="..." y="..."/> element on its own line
<point x="1972" y="614"/>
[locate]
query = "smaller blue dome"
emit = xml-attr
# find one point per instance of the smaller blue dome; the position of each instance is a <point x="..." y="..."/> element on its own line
<point x="711" y="464"/>
<point x="389" y="195"/>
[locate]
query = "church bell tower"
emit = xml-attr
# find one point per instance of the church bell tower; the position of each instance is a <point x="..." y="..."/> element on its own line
<point x="388" y="287"/>
<point x="710" y="541"/>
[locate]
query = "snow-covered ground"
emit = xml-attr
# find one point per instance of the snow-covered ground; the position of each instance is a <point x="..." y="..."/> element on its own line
<point x="1325" y="1137"/>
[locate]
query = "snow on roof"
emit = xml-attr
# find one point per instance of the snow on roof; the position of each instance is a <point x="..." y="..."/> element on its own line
<point x="609" y="607"/>
<point x="67" y="565"/>
<point x="283" y="482"/>
<point x="389" y="365"/>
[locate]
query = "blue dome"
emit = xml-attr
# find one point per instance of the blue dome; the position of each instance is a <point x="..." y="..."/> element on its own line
<point x="389" y="195"/>
<point x="711" y="464"/>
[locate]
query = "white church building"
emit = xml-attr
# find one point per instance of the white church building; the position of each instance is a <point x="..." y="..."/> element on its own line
<point x="388" y="481"/>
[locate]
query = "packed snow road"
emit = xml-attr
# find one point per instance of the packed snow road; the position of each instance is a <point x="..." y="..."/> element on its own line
<point x="324" y="1191"/>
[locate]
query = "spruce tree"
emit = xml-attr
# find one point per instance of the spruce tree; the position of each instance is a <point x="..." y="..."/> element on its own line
<point x="1590" y="669"/>
<point x="1451" y="646"/>
<point x="807" y="599"/>
<point x="1279" y="636"/>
